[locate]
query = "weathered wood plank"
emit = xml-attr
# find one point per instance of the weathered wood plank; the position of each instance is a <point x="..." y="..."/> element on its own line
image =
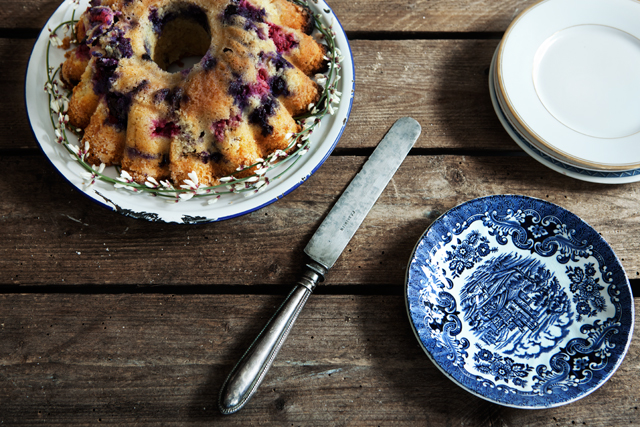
<point x="14" y="126"/>
<point x="369" y="16"/>
<point x="160" y="359"/>
<point x="441" y="83"/>
<point x="53" y="235"/>
<point x="26" y="14"/>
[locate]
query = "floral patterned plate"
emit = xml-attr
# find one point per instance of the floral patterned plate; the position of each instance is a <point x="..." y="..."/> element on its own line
<point x="519" y="301"/>
<point x="283" y="178"/>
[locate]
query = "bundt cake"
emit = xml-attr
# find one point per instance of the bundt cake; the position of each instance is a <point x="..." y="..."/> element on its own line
<point x="228" y="111"/>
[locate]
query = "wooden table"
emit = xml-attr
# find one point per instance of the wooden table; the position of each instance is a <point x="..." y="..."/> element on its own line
<point x="108" y="319"/>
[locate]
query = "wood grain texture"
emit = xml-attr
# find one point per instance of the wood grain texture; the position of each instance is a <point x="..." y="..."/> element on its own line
<point x="109" y="347"/>
<point x="14" y="126"/>
<point x="161" y="359"/>
<point x="54" y="235"/>
<point x="441" y="83"/>
<point x="370" y="15"/>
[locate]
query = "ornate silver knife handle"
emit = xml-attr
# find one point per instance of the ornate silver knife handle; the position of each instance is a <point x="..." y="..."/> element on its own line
<point x="324" y="248"/>
<point x="246" y="376"/>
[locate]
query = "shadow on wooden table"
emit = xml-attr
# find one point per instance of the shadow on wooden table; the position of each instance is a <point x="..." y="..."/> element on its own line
<point x="407" y="379"/>
<point x="204" y="403"/>
<point x="231" y="342"/>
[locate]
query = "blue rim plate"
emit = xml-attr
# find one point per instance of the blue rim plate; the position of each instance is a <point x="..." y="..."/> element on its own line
<point x="194" y="211"/>
<point x="519" y="301"/>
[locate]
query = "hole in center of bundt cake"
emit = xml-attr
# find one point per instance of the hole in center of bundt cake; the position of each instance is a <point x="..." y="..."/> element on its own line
<point x="183" y="34"/>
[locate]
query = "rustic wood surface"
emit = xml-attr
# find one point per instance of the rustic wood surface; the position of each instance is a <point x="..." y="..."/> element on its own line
<point x="367" y="16"/>
<point x="149" y="359"/>
<point x="437" y="82"/>
<point x="63" y="238"/>
<point x="108" y="319"/>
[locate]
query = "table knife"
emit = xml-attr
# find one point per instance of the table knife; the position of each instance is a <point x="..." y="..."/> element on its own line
<point x="323" y="250"/>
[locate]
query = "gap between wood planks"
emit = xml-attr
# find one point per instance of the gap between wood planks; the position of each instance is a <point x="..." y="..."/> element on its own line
<point x="364" y="290"/>
<point x="32" y="33"/>
<point x="373" y="290"/>
<point x="349" y="152"/>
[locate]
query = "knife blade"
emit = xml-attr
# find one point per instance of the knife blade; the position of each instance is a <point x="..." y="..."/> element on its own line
<point x="323" y="249"/>
<point x="347" y="214"/>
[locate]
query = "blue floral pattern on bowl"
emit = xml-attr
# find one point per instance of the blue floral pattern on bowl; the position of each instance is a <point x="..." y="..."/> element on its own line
<point x="519" y="301"/>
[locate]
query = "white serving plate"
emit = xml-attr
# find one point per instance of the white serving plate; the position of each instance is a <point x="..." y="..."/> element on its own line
<point x="323" y="141"/>
<point x="522" y="130"/>
<point x="550" y="159"/>
<point x="568" y="72"/>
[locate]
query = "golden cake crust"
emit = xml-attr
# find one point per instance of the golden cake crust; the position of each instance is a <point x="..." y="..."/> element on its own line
<point x="229" y="110"/>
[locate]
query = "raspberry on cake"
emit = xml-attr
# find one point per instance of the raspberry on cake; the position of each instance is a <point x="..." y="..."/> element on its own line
<point x="231" y="109"/>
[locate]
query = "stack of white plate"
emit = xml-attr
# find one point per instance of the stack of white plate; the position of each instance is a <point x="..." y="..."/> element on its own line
<point x="565" y="83"/>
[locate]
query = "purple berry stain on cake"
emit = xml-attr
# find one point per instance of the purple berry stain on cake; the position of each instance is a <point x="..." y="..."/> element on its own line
<point x="119" y="104"/>
<point x="156" y="21"/>
<point x="260" y="33"/>
<point x="218" y="128"/>
<point x="279" y="86"/>
<point x="165" y="128"/>
<point x="191" y="12"/>
<point x="123" y="44"/>
<point x="283" y="40"/>
<point x="160" y="95"/>
<point x="175" y="97"/>
<point x="261" y="86"/>
<point x="276" y="59"/>
<point x="209" y="62"/>
<point x="134" y="153"/>
<point x="250" y="13"/>
<point x="241" y="91"/>
<point x="83" y="52"/>
<point x="101" y="19"/>
<point x="104" y="71"/>
<point x="206" y="156"/>
<point x="101" y="15"/>
<point x="280" y="63"/>
<point x="260" y="116"/>
<point x="244" y="9"/>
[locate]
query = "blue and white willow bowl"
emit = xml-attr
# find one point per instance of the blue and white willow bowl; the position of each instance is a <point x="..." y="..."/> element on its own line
<point x="519" y="301"/>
